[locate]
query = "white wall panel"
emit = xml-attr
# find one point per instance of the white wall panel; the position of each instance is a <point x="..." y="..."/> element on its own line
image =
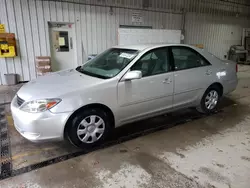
<point x="113" y="29"/>
<point x="93" y="29"/>
<point x="28" y="37"/>
<point x="65" y="12"/>
<point x="52" y="7"/>
<point x="34" y="28"/>
<point x="98" y="29"/>
<point x="89" y="29"/>
<point x="41" y="28"/>
<point x="78" y="29"/>
<point x="215" y="33"/>
<point x="71" y="12"/>
<point x="139" y="36"/>
<point x="84" y="34"/>
<point x="104" y="28"/>
<point x="108" y="26"/>
<point x="22" y="48"/>
<point x="46" y="17"/>
<point x="10" y="61"/>
<point x="59" y="14"/>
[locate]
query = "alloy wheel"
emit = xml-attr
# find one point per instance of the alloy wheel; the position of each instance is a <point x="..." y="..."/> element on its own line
<point x="211" y="99"/>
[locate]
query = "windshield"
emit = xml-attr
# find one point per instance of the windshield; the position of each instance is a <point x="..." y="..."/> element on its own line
<point x="109" y="63"/>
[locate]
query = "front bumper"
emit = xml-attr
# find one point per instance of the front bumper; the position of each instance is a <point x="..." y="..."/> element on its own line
<point x="44" y="126"/>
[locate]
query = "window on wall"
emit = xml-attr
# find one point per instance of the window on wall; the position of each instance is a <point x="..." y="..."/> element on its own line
<point x="186" y="58"/>
<point x="153" y="62"/>
<point x="63" y="41"/>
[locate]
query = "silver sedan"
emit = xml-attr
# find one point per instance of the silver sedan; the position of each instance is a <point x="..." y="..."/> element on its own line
<point x="123" y="84"/>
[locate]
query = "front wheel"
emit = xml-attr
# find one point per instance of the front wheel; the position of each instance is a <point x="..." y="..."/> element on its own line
<point x="89" y="128"/>
<point x="210" y="100"/>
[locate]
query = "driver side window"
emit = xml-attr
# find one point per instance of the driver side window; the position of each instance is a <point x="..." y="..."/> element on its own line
<point x="153" y="63"/>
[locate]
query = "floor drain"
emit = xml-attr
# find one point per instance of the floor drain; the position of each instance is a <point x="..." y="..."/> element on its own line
<point x="5" y="154"/>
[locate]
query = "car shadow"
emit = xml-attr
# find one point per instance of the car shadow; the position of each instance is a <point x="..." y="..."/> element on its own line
<point x="165" y="121"/>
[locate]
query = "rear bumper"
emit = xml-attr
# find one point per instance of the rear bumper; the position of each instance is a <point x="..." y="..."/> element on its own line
<point x="229" y="86"/>
<point x="37" y="127"/>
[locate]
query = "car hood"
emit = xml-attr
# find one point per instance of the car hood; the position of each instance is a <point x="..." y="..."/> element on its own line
<point x="56" y="84"/>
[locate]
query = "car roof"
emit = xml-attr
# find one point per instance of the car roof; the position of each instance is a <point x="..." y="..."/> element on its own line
<point x="141" y="47"/>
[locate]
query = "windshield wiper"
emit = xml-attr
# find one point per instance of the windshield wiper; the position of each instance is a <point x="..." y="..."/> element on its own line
<point x="90" y="73"/>
<point x="78" y="68"/>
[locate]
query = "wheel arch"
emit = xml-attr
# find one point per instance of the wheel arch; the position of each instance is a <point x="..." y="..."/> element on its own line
<point x="89" y="106"/>
<point x="219" y="85"/>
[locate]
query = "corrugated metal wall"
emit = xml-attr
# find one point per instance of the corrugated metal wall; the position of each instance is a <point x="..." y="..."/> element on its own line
<point x="215" y="32"/>
<point x="96" y="25"/>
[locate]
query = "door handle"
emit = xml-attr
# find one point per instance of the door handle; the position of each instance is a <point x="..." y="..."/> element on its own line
<point x="208" y="72"/>
<point x="167" y="81"/>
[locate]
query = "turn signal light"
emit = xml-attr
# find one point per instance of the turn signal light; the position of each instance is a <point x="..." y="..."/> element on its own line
<point x="50" y="104"/>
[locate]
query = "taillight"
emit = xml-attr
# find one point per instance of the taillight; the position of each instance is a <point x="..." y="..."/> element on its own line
<point x="236" y="68"/>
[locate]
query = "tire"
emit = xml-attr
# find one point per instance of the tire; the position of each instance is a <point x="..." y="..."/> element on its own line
<point x="212" y="94"/>
<point x="89" y="128"/>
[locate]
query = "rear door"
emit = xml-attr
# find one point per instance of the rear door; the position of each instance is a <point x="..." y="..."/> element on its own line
<point x="192" y="74"/>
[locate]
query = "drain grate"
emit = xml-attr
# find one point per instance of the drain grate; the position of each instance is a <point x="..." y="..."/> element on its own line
<point x="6" y="165"/>
<point x="5" y="154"/>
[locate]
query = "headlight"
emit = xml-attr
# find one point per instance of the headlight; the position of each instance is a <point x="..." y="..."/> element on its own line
<point x="39" y="105"/>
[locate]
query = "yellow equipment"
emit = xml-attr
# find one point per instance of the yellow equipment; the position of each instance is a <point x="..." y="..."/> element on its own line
<point x="7" y="45"/>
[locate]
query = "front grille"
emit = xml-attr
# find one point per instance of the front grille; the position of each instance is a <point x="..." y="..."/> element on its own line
<point x="19" y="101"/>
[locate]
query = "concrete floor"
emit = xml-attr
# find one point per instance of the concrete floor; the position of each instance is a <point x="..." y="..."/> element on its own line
<point x="209" y="152"/>
<point x="8" y="92"/>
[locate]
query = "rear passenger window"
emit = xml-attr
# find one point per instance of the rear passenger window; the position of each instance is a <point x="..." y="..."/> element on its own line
<point x="186" y="58"/>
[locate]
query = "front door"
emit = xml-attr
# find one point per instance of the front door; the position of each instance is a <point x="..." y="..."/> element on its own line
<point x="151" y="94"/>
<point x="62" y="50"/>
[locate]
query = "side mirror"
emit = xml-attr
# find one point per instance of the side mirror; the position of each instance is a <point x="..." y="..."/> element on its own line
<point x="132" y="75"/>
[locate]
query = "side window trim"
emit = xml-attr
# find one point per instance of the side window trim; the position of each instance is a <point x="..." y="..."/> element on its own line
<point x="191" y="49"/>
<point x="171" y="59"/>
<point x="167" y="49"/>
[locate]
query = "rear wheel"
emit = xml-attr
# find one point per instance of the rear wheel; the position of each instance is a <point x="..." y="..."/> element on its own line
<point x="210" y="100"/>
<point x="89" y="128"/>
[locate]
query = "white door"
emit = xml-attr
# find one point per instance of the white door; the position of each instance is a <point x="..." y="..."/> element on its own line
<point x="62" y="47"/>
<point x="151" y="94"/>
